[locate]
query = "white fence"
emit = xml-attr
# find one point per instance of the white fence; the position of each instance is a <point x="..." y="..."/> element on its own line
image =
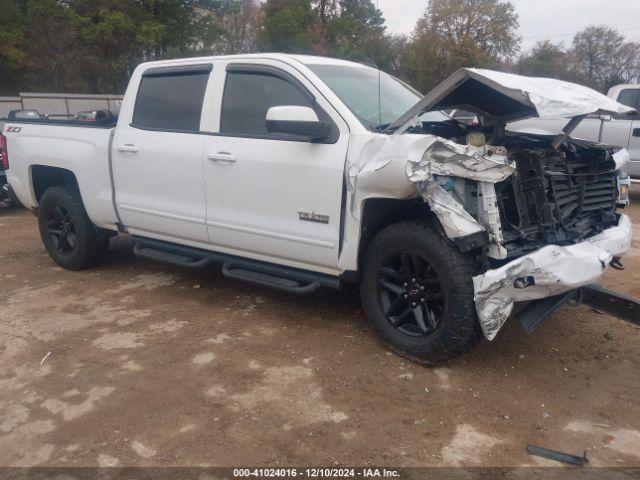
<point x="59" y="105"/>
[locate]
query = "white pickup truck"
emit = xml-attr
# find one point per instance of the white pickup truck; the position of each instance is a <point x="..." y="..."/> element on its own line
<point x="300" y="172"/>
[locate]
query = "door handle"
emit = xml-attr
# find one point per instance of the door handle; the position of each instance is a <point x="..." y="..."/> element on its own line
<point x="222" y="157"/>
<point x="128" y="148"/>
<point x="636" y="132"/>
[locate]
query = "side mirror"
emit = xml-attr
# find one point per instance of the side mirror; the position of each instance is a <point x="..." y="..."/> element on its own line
<point x="297" y="120"/>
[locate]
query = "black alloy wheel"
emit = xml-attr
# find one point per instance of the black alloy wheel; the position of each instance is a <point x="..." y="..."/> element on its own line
<point x="411" y="294"/>
<point x="68" y="234"/>
<point x="61" y="230"/>
<point x="417" y="292"/>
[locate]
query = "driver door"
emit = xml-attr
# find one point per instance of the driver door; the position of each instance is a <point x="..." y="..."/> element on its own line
<point x="269" y="196"/>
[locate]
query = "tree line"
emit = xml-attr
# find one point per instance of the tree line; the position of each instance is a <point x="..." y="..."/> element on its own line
<point x="94" y="45"/>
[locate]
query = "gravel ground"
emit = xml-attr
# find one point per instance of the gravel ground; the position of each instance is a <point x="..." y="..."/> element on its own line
<point x="142" y="364"/>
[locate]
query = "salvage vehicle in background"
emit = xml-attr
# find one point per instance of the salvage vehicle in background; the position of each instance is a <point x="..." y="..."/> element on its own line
<point x="299" y="172"/>
<point x="28" y="114"/>
<point x="6" y="194"/>
<point x="611" y="128"/>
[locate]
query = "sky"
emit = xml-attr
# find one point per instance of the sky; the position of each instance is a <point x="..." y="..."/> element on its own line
<point x="556" y="20"/>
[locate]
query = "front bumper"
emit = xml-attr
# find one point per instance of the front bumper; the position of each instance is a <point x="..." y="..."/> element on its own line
<point x="547" y="272"/>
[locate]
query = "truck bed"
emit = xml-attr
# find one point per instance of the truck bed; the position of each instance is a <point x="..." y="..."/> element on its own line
<point x="63" y="144"/>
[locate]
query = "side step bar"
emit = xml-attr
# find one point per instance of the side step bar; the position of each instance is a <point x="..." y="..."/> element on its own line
<point x="595" y="296"/>
<point x="286" y="279"/>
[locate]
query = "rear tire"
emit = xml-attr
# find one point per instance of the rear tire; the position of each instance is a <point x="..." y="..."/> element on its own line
<point x="69" y="236"/>
<point x="417" y="291"/>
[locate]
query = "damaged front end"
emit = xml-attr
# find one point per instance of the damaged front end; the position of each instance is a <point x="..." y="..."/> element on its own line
<point x="539" y="211"/>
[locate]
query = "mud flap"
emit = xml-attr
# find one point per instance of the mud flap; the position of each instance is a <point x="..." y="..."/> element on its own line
<point x="595" y="296"/>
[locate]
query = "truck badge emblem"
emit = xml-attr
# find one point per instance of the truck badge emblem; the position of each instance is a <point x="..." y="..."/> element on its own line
<point x="313" y="217"/>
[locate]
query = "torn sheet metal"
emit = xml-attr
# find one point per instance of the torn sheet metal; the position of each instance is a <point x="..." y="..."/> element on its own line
<point x="444" y="157"/>
<point x="455" y="220"/>
<point x="622" y="158"/>
<point x="552" y="270"/>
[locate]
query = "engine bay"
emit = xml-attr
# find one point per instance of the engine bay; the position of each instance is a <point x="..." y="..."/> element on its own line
<point x="558" y="196"/>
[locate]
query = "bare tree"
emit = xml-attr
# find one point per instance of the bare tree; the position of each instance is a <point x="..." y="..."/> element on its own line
<point x="604" y="58"/>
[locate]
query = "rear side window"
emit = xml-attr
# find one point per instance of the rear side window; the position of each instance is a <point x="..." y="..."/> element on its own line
<point x="248" y="96"/>
<point x="629" y="97"/>
<point x="171" y="100"/>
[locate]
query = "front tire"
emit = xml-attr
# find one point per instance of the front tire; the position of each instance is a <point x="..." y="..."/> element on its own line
<point x="69" y="236"/>
<point x="417" y="291"/>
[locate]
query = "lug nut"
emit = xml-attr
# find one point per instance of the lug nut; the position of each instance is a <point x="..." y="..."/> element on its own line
<point x="421" y="287"/>
<point x="422" y="300"/>
<point x="405" y="296"/>
<point x="414" y="304"/>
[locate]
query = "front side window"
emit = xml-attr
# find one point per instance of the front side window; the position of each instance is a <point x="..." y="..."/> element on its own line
<point x="247" y="98"/>
<point x="171" y="102"/>
<point x="629" y="97"/>
<point x="376" y="98"/>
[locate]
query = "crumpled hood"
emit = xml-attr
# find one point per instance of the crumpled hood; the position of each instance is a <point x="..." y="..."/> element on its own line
<point x="510" y="97"/>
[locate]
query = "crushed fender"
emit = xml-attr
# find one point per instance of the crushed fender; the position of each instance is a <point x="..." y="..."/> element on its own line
<point x="455" y="220"/>
<point x="444" y="157"/>
<point x="444" y="160"/>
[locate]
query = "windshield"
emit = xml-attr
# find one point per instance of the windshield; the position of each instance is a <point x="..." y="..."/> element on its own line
<point x="357" y="87"/>
<point x="435" y="116"/>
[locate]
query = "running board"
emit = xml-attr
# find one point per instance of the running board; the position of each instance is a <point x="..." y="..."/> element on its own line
<point x="171" y="258"/>
<point x="278" y="277"/>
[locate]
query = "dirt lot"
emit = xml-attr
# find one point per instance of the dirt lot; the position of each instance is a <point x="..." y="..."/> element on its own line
<point x="154" y="365"/>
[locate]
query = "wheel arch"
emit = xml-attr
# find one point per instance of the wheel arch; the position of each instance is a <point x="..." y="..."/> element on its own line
<point x="379" y="213"/>
<point x="44" y="177"/>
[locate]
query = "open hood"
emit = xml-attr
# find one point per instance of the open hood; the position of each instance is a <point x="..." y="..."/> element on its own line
<point x="508" y="97"/>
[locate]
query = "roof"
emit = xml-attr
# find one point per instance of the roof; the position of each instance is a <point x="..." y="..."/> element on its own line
<point x="618" y="88"/>
<point x="305" y="59"/>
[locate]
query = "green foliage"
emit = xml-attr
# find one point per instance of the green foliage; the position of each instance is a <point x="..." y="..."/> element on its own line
<point x="456" y="33"/>
<point x="289" y="26"/>
<point x="358" y="32"/>
<point x="546" y="59"/>
<point x="13" y="54"/>
<point x="94" y="45"/>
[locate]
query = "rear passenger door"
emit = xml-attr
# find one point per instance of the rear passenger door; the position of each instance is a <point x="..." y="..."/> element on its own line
<point x="269" y="196"/>
<point x="158" y="156"/>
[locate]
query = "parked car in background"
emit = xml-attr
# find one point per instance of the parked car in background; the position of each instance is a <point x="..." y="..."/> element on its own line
<point x="86" y="116"/>
<point x="300" y="172"/>
<point x="621" y="129"/>
<point x="25" y="115"/>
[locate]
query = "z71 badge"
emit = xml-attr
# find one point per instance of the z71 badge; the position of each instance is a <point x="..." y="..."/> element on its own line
<point x="313" y="217"/>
